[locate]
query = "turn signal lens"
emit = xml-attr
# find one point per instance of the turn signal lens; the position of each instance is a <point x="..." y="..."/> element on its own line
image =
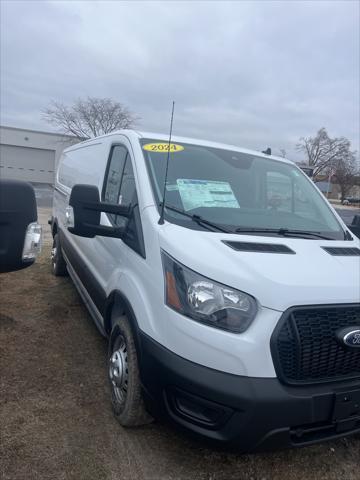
<point x="171" y="293"/>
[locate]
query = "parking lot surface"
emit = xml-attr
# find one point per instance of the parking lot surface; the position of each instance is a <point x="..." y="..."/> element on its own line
<point x="347" y="213"/>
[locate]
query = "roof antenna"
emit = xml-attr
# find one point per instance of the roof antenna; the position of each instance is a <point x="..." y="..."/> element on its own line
<point x="161" y="219"/>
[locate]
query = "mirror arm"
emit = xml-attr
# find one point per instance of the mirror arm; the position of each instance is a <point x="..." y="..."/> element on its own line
<point x="102" y="230"/>
<point x="124" y="211"/>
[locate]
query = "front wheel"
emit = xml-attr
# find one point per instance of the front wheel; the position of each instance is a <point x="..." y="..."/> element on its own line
<point x="126" y="394"/>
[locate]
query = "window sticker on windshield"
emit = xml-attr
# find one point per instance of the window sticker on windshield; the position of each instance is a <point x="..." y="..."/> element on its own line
<point x="206" y="193"/>
<point x="163" y="147"/>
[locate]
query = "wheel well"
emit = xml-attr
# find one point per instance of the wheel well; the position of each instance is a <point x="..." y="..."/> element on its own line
<point x="54" y="228"/>
<point x="118" y="305"/>
<point x="114" y="306"/>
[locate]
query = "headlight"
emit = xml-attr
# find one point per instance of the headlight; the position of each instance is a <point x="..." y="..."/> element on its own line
<point x="206" y="301"/>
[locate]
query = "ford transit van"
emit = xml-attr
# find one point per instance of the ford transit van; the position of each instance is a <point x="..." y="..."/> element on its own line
<point x="229" y="293"/>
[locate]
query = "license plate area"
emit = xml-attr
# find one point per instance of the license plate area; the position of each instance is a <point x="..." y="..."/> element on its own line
<point x="346" y="412"/>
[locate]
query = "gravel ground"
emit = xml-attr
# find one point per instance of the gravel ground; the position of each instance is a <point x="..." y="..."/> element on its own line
<point x="56" y="421"/>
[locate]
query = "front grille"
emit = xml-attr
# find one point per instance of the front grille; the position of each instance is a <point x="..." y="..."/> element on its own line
<point x="305" y="349"/>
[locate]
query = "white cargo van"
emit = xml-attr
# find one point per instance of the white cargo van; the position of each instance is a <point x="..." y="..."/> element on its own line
<point x="237" y="315"/>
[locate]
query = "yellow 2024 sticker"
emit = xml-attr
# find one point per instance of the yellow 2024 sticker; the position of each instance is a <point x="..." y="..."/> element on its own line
<point x="163" y="147"/>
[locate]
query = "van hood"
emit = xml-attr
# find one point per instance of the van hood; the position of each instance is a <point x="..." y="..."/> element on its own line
<point x="309" y="276"/>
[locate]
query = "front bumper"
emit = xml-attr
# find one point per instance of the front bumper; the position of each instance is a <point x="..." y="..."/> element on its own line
<point x="247" y="413"/>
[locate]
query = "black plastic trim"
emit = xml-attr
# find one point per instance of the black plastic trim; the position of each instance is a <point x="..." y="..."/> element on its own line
<point x="115" y="300"/>
<point x="259" y="413"/>
<point x="85" y="297"/>
<point x="256" y="247"/>
<point x="54" y="226"/>
<point x="92" y="286"/>
<point x="343" y="251"/>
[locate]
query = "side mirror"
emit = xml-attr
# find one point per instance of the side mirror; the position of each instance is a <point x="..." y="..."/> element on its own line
<point x="20" y="234"/>
<point x="86" y="205"/>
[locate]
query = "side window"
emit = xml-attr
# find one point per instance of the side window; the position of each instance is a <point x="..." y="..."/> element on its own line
<point x="127" y="189"/>
<point x="119" y="187"/>
<point x="119" y="184"/>
<point x="284" y="194"/>
<point x="114" y="174"/>
<point x="304" y="205"/>
<point x="279" y="191"/>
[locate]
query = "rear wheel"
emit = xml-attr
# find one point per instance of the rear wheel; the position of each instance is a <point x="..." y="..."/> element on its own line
<point x="58" y="264"/>
<point x="123" y="368"/>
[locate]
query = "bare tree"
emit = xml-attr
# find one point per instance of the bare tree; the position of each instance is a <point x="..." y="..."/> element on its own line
<point x="89" y="117"/>
<point x="282" y="152"/>
<point x="346" y="172"/>
<point x="322" y="151"/>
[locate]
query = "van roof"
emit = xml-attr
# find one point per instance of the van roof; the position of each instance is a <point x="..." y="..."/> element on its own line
<point x="135" y="134"/>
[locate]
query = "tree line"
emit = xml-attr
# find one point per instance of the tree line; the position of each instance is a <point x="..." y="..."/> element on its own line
<point x="91" y="117"/>
<point x="331" y="157"/>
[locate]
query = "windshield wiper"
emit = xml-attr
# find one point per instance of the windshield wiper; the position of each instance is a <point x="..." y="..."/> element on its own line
<point x="198" y="219"/>
<point x="283" y="232"/>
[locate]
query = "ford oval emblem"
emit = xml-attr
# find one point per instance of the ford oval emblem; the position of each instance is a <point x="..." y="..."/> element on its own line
<point x="349" y="337"/>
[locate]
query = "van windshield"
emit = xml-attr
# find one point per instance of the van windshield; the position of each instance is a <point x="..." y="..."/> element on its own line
<point x="236" y="190"/>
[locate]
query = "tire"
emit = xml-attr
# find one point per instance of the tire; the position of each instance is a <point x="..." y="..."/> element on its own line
<point x="58" y="264"/>
<point x="123" y="371"/>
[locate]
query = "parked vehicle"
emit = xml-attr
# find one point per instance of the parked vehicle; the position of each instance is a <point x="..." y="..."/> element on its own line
<point x="351" y="201"/>
<point x="236" y="315"/>
<point x="20" y="234"/>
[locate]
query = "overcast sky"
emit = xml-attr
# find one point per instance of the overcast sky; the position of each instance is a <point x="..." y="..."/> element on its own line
<point x="254" y="74"/>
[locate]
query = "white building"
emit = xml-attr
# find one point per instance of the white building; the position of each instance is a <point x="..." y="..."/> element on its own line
<point x="31" y="155"/>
